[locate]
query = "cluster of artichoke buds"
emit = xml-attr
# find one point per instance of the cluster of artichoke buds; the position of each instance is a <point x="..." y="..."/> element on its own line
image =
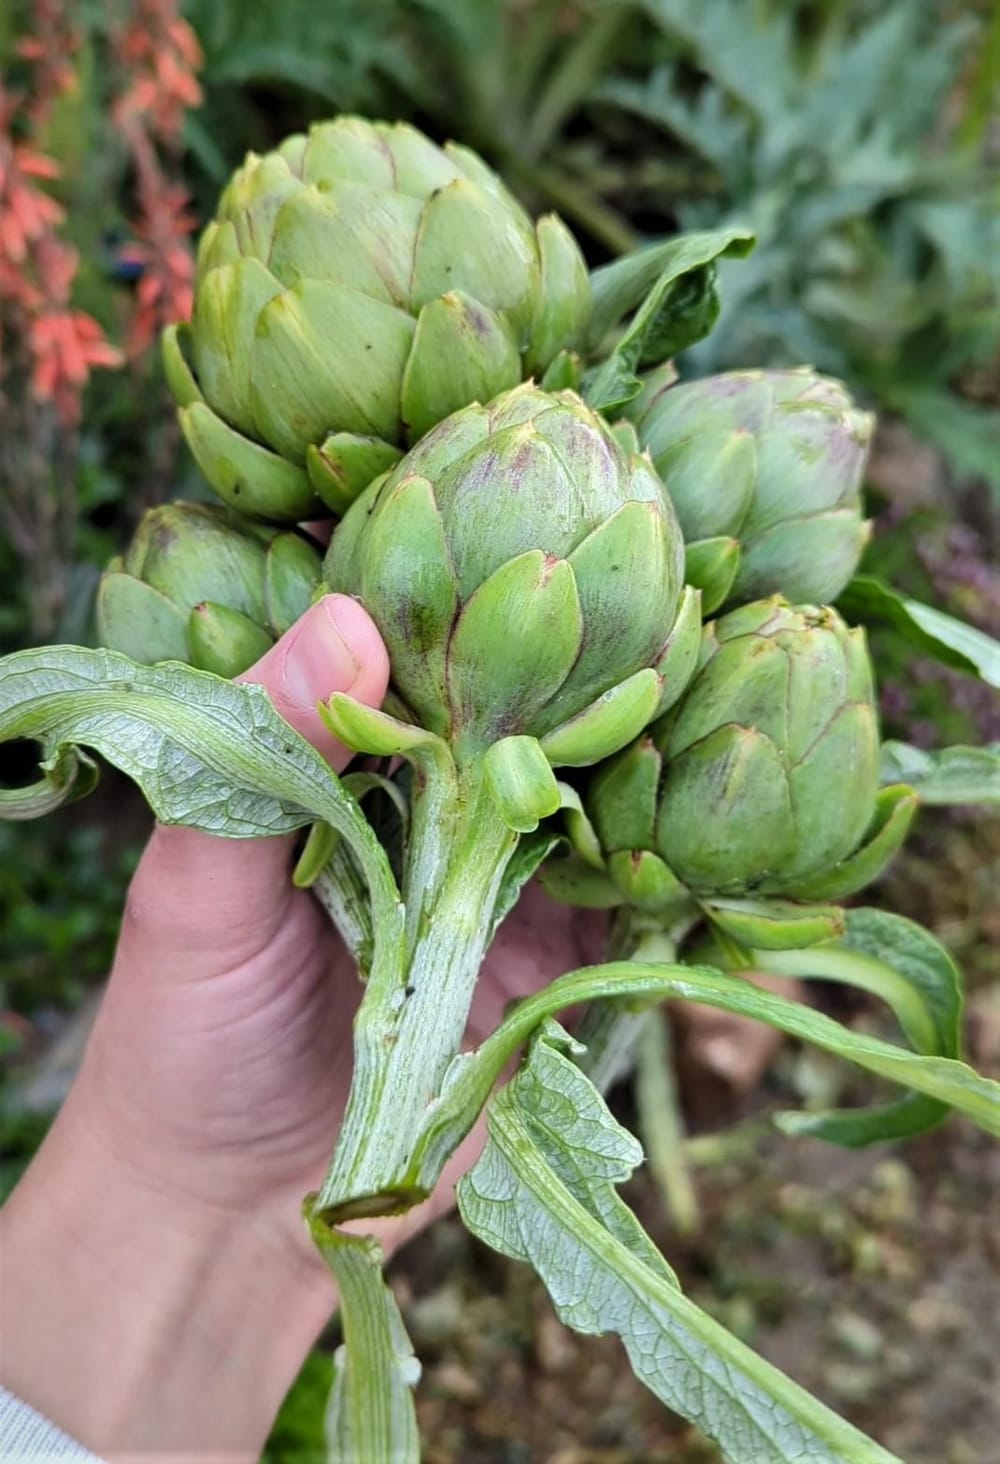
<point x="369" y="311"/>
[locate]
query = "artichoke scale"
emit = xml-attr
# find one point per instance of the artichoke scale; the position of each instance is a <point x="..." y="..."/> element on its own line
<point x="328" y="358"/>
<point x="462" y="352"/>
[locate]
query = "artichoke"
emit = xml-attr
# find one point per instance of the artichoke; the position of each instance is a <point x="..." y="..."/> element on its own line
<point x="764" y="469"/>
<point x="525" y="573"/>
<point x="357" y="286"/>
<point x="199" y="585"/>
<point x="763" y="779"/>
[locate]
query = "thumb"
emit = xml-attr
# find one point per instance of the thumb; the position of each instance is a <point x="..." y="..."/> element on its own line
<point x="192" y="890"/>
<point x="334" y="647"/>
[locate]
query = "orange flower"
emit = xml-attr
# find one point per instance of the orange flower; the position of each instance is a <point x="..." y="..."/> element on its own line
<point x="162" y="52"/>
<point x="165" y="292"/>
<point x="66" y="345"/>
<point x="26" y="213"/>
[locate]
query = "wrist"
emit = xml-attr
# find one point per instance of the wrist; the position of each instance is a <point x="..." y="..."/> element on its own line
<point x="147" y="1322"/>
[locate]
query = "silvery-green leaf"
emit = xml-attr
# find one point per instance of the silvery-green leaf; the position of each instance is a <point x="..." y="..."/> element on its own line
<point x="69" y="774"/>
<point x="544" y="1191"/>
<point x="206" y="752"/>
<point x="471" y="1077"/>
<point x="902" y="963"/>
<point x="930" y="630"/>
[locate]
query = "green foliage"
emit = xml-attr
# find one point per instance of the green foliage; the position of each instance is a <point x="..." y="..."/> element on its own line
<point x="20" y="1136"/>
<point x="927" y="558"/>
<point x="297" y="1435"/>
<point x="822" y="128"/>
<point x="61" y="893"/>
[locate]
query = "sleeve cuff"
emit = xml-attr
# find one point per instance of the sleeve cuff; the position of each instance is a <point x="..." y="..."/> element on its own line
<point x="26" y="1437"/>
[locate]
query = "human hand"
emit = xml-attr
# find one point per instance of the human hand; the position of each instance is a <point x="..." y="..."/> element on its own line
<point x="206" y="1107"/>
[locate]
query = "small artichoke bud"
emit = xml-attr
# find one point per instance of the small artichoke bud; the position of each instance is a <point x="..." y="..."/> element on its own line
<point x="771" y="757"/>
<point x="356" y="286"/>
<point x="197" y="584"/>
<point x="525" y="574"/>
<point x="761" y="782"/>
<point x="764" y="469"/>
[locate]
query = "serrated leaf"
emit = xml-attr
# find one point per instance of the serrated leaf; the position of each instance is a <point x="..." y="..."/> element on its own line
<point x="950" y="775"/>
<point x="544" y="1192"/>
<point x="707" y="125"/>
<point x="948" y="640"/>
<point x="209" y="753"/>
<point x="751" y="57"/>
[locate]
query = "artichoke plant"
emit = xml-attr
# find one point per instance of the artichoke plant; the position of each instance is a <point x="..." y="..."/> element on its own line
<point x="762" y="781"/>
<point x="368" y="308"/>
<point x="764" y="469"/>
<point x="357" y="286"/>
<point x="198" y="584"/>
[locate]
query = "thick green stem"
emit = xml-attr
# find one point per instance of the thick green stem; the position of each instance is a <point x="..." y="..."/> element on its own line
<point x="413" y="1016"/>
<point x="661" y="1123"/>
<point x="610" y="1030"/>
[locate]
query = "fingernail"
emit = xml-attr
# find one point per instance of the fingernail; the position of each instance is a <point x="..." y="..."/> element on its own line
<point x="319" y="660"/>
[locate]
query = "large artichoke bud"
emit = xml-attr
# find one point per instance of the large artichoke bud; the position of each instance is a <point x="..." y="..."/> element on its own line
<point x="357" y="286"/>
<point x="762" y="781"/>
<point x="525" y="572"/>
<point x="764" y="469"/>
<point x="198" y="584"/>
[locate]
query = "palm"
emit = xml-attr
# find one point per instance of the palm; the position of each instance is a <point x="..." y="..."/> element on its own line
<point x="241" y="1059"/>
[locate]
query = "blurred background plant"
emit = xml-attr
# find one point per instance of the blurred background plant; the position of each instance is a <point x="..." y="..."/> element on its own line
<point x="94" y="249"/>
<point x="859" y="138"/>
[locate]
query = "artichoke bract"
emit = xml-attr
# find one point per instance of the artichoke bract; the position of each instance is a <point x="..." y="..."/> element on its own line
<point x="526" y="574"/>
<point x="763" y="779"/>
<point x="764" y="469"/>
<point x="357" y="286"/>
<point x="197" y="584"/>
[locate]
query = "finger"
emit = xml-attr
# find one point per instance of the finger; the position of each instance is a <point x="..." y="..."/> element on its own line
<point x="189" y="883"/>
<point x="334" y="647"/>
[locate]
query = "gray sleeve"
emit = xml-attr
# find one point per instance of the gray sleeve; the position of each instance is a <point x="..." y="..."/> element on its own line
<point x="28" y="1438"/>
